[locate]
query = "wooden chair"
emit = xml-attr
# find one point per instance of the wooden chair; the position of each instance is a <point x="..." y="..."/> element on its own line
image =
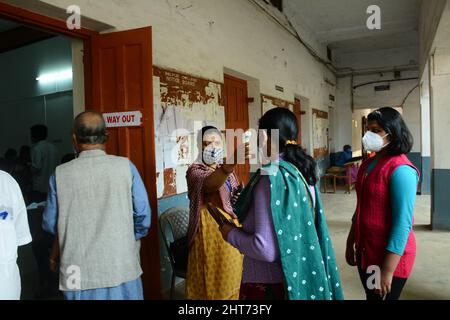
<point x="327" y="177"/>
<point x="331" y="176"/>
<point x="337" y="173"/>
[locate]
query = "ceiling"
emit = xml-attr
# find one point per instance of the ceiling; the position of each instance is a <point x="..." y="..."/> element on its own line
<point x="341" y="24"/>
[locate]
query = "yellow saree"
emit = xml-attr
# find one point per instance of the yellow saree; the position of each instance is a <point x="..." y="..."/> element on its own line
<point x="214" y="267"/>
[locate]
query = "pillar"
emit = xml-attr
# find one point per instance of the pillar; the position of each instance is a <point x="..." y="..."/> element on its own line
<point x="440" y="138"/>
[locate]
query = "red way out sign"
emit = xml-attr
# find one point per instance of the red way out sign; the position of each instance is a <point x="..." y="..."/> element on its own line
<point x="123" y="119"/>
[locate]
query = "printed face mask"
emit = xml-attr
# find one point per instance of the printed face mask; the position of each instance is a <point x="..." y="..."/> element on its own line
<point x="212" y="155"/>
<point x="373" y="142"/>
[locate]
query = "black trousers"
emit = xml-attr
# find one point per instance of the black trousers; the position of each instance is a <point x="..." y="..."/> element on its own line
<point x="396" y="287"/>
<point x="41" y="245"/>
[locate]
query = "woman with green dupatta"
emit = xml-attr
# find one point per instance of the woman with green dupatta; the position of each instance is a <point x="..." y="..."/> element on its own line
<point x="288" y="253"/>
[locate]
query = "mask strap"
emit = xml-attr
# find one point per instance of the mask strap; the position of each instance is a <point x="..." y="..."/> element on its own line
<point x="386" y="143"/>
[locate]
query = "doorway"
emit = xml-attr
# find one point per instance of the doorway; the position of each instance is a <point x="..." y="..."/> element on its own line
<point x="37" y="90"/>
<point x="117" y="76"/>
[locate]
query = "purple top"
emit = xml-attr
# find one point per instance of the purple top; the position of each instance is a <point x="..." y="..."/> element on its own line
<point x="257" y="239"/>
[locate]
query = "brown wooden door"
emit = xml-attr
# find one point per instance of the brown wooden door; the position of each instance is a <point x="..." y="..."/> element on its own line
<point x="298" y="114"/>
<point x="236" y="115"/>
<point x="122" y="75"/>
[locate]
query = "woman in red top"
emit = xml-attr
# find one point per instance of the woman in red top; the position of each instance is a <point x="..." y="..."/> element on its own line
<point x="381" y="241"/>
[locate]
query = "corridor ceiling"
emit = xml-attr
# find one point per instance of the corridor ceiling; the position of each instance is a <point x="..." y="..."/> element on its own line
<point x="341" y="24"/>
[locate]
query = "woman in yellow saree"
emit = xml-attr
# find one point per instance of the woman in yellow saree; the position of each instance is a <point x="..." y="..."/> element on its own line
<point x="214" y="267"/>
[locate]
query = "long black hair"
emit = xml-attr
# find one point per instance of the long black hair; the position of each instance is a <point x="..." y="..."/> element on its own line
<point x="286" y="122"/>
<point x="401" y="139"/>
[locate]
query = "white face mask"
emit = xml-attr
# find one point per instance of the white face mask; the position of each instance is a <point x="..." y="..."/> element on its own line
<point x="373" y="142"/>
<point x="212" y="155"/>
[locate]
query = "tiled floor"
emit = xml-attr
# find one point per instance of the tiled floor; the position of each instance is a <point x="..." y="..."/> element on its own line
<point x="431" y="275"/>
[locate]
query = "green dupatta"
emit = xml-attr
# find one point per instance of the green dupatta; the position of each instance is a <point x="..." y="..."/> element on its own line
<point x="307" y="254"/>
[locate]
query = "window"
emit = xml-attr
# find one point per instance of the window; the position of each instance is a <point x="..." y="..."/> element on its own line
<point x="278" y="4"/>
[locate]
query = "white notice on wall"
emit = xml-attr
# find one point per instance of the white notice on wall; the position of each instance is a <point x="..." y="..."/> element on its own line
<point x="123" y="119"/>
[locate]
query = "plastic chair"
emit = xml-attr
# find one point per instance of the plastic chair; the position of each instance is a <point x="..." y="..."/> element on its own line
<point x="173" y="224"/>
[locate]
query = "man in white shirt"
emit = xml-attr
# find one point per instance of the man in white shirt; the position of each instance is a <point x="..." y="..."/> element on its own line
<point x="14" y="232"/>
<point x="44" y="160"/>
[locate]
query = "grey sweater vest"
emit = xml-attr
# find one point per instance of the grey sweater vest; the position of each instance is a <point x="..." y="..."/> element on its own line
<point x="95" y="222"/>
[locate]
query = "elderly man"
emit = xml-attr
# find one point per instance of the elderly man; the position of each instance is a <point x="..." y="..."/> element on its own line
<point x="98" y="207"/>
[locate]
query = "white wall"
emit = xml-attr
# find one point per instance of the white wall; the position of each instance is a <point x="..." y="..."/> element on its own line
<point x="378" y="59"/>
<point x="375" y="66"/>
<point x="290" y="8"/>
<point x="430" y="16"/>
<point x="343" y="131"/>
<point x="440" y="111"/>
<point x="202" y="37"/>
<point x="307" y="137"/>
<point x="366" y="97"/>
<point x="412" y="116"/>
<point x="357" y="116"/>
<point x="425" y="112"/>
<point x="206" y="38"/>
<point x="435" y="67"/>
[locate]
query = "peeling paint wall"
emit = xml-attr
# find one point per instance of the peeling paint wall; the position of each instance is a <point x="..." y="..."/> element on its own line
<point x="269" y="102"/>
<point x="183" y="104"/>
<point x="320" y="133"/>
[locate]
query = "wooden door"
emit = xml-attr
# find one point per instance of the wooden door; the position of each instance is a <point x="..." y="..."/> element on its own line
<point x="122" y="75"/>
<point x="236" y="115"/>
<point x="298" y="114"/>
